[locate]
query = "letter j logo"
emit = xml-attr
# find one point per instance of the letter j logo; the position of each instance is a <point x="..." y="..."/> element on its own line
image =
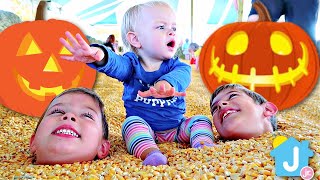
<point x="291" y="156"/>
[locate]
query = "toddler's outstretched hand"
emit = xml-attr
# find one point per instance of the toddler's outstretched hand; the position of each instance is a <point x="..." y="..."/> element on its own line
<point x="81" y="51"/>
<point x="161" y="89"/>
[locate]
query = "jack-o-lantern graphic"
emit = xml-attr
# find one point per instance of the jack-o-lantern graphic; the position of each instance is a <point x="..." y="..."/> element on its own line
<point x="32" y="72"/>
<point x="277" y="60"/>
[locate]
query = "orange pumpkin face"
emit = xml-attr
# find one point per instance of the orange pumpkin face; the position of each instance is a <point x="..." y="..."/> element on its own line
<point x="32" y="72"/>
<point x="277" y="60"/>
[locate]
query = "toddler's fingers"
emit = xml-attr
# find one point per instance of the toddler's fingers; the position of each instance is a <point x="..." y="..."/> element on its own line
<point x="72" y="40"/>
<point x="144" y="94"/>
<point x="84" y="45"/>
<point x="153" y="91"/>
<point x="170" y="92"/>
<point x="162" y="90"/>
<point x="69" y="58"/>
<point x="66" y="44"/>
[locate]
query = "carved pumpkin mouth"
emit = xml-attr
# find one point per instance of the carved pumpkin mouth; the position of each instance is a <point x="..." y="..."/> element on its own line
<point x="252" y="80"/>
<point x="41" y="93"/>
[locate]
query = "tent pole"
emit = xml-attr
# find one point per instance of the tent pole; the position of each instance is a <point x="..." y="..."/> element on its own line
<point x="191" y="20"/>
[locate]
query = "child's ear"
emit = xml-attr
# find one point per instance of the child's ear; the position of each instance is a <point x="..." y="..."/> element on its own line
<point x="104" y="149"/>
<point x="133" y="39"/>
<point x="270" y="109"/>
<point x="32" y="144"/>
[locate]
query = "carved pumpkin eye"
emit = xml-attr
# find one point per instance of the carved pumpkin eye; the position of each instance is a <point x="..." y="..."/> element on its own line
<point x="237" y="43"/>
<point x="280" y="43"/>
<point x="28" y="46"/>
<point x="65" y="51"/>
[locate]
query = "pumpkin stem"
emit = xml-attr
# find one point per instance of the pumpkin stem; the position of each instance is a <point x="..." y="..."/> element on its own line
<point x="41" y="10"/>
<point x="262" y="10"/>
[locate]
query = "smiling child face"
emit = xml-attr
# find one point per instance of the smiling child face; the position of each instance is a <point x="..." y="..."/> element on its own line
<point x="237" y="116"/>
<point x="70" y="131"/>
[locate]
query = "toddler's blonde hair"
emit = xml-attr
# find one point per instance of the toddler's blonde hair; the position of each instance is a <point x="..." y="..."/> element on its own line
<point x="130" y="18"/>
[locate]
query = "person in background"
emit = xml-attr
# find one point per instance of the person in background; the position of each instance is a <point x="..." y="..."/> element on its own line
<point x="193" y="47"/>
<point x="301" y="13"/>
<point x="185" y="49"/>
<point x="116" y="47"/>
<point x="110" y="42"/>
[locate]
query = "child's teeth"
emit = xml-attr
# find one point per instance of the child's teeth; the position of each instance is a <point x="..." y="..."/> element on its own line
<point x="67" y="131"/>
<point x="228" y="112"/>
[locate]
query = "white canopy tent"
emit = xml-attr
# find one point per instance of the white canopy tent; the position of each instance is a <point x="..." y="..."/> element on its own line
<point x="196" y="20"/>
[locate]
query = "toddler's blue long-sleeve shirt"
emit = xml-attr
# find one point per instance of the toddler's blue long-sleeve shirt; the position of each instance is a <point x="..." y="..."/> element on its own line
<point x="161" y="113"/>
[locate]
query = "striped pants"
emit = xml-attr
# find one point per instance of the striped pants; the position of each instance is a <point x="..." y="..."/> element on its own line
<point x="139" y="136"/>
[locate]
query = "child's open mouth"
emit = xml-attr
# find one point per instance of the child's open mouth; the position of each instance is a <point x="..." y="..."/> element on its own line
<point x="66" y="131"/>
<point x="226" y="114"/>
<point x="171" y="44"/>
